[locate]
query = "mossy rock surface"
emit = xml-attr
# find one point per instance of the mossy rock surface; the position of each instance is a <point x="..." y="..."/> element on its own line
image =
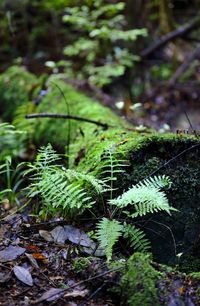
<point x="15" y="86"/>
<point x="139" y="282"/>
<point x="147" y="154"/>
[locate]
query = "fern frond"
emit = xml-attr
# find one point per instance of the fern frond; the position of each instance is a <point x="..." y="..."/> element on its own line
<point x="136" y="238"/>
<point x="144" y="200"/>
<point x="97" y="184"/>
<point x="56" y="190"/>
<point x="108" y="233"/>
<point x="46" y="157"/>
<point x="46" y="160"/>
<point x="159" y="181"/>
<point x="110" y="168"/>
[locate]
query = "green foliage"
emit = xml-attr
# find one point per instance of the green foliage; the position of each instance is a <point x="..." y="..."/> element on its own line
<point x="100" y="25"/>
<point x="144" y="199"/>
<point x="15" y="86"/>
<point x="81" y="263"/>
<point x="11" y="180"/>
<point x="61" y="189"/>
<point x="71" y="193"/>
<point x="11" y="141"/>
<point x="108" y="233"/>
<point x="139" y="282"/>
<point x="136" y="238"/>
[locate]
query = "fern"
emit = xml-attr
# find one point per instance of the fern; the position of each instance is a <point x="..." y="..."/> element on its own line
<point x="136" y="238"/>
<point x="145" y="198"/>
<point x="108" y="233"/>
<point x="160" y="181"/>
<point x="63" y="189"/>
<point x="110" y="168"/>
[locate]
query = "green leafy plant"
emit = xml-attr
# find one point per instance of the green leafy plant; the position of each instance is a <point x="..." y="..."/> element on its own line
<point x="11" y="181"/>
<point x="61" y="189"/>
<point x="96" y="29"/>
<point x="11" y="141"/>
<point x="72" y="193"/>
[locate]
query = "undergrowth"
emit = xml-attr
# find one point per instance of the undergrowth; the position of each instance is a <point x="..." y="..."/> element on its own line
<point x="71" y="193"/>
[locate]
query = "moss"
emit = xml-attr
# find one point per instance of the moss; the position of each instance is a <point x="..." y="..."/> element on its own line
<point x="139" y="282"/>
<point x="189" y="264"/>
<point x="146" y="154"/>
<point x="56" y="130"/>
<point x="15" y="86"/>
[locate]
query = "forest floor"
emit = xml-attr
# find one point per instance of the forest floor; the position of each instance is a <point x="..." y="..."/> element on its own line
<point x="38" y="266"/>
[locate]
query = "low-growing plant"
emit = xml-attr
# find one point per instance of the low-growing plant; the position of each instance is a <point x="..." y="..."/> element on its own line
<point x="100" y="26"/>
<point x="72" y="193"/>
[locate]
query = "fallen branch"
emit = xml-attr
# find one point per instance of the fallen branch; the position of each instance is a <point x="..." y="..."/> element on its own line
<point x="185" y="65"/>
<point x="71" y="117"/>
<point x="180" y="32"/>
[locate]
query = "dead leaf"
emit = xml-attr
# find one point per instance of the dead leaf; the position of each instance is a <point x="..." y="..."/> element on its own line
<point x="58" y="234"/>
<point x="77" y="236"/>
<point x="40" y="257"/>
<point x="46" y="235"/>
<point x="11" y="253"/>
<point x="32" y="260"/>
<point x="23" y="275"/>
<point x="50" y="295"/>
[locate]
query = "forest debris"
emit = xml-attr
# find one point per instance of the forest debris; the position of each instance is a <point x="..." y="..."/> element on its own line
<point x="77" y="293"/>
<point x="11" y="253"/>
<point x="77" y="236"/>
<point x="32" y="260"/>
<point x="68" y="232"/>
<point x="46" y="235"/>
<point x="23" y="275"/>
<point x="58" y="234"/>
<point x="50" y="295"/>
<point x="4" y="277"/>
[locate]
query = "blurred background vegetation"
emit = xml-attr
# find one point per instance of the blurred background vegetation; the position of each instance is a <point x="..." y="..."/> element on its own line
<point x="111" y="47"/>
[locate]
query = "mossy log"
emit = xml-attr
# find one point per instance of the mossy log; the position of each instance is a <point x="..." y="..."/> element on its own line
<point x="147" y="153"/>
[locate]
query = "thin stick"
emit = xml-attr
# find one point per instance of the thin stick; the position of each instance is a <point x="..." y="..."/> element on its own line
<point x="173" y="158"/>
<point x="180" y="32"/>
<point x="63" y="116"/>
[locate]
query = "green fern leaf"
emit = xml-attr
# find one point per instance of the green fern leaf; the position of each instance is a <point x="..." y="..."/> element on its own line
<point x="108" y="233"/>
<point x="144" y="200"/>
<point x="136" y="238"/>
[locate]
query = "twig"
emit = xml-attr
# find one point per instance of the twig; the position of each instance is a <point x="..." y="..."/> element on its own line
<point x="71" y="117"/>
<point x="180" y="32"/>
<point x="172" y="159"/>
<point x="185" y="65"/>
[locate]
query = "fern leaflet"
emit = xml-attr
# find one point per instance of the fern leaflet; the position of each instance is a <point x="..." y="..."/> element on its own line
<point x="136" y="238"/>
<point x="108" y="233"/>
